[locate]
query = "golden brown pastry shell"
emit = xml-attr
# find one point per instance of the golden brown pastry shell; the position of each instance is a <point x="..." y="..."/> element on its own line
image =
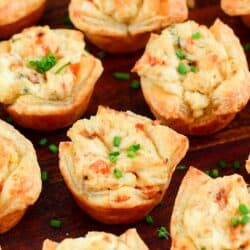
<point x="31" y="112"/>
<point x="31" y="18"/>
<point x="117" y="42"/>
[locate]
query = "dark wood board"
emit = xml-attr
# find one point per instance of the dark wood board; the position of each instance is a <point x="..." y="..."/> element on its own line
<point x="233" y="143"/>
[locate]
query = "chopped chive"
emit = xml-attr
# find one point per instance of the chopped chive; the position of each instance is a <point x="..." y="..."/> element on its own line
<point x="53" y="148"/>
<point x="44" y="176"/>
<point x="181" y="167"/>
<point x="182" y="69"/>
<point x="67" y="22"/>
<point x="131" y="154"/>
<point x="207" y="171"/>
<point x="117" y="173"/>
<point x="222" y="164"/>
<point x="163" y="233"/>
<point x="235" y="222"/>
<point x="236" y="165"/>
<point x="180" y="54"/>
<point x="160" y="203"/>
<point x="121" y="75"/>
<point x="244" y="220"/>
<point x="55" y="223"/>
<point x="113" y="156"/>
<point x="117" y="141"/>
<point x="196" y="35"/>
<point x="134" y="147"/>
<point x="214" y="173"/>
<point x="193" y="69"/>
<point x="62" y="68"/>
<point x="102" y="54"/>
<point x="135" y="84"/>
<point x="43" y="141"/>
<point x="149" y="219"/>
<point x="9" y="119"/>
<point x="243" y="209"/>
<point x="247" y="47"/>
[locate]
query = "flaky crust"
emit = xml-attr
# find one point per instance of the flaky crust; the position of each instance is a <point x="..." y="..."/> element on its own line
<point x="124" y="26"/>
<point x="203" y="211"/>
<point x="20" y="179"/>
<point x="89" y="172"/>
<point x="237" y="8"/>
<point x="130" y="240"/>
<point x="248" y="164"/>
<point x="40" y="108"/>
<point x="200" y="102"/>
<point x="16" y="15"/>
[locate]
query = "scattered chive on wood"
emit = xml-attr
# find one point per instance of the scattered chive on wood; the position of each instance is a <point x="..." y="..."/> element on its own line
<point x="44" y="176"/>
<point x="117" y="141"/>
<point x="53" y="148"/>
<point x="163" y="233"/>
<point x="102" y="54"/>
<point x="196" y="35"/>
<point x="222" y="164"/>
<point x="117" y="173"/>
<point x="181" y="167"/>
<point x="43" y="141"/>
<point x="214" y="173"/>
<point x="62" y="68"/>
<point x="55" y="223"/>
<point x="149" y="219"/>
<point x="9" y="119"/>
<point x="236" y="165"/>
<point x="135" y="84"/>
<point x="207" y="171"/>
<point x="247" y="47"/>
<point x="182" y="69"/>
<point x="67" y="22"/>
<point x="121" y="75"/>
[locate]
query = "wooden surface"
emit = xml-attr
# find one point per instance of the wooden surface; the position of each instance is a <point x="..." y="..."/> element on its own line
<point x="55" y="201"/>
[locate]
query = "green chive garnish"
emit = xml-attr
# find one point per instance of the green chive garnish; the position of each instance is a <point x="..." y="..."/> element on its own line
<point x="193" y="69"/>
<point x="182" y="69"/>
<point x="247" y="47"/>
<point x="180" y="54"/>
<point x="149" y="219"/>
<point x="117" y="173"/>
<point x="43" y="141"/>
<point x="62" y="68"/>
<point x="235" y="222"/>
<point x="181" y="167"/>
<point x="244" y="220"/>
<point x="243" y="209"/>
<point x="163" y="233"/>
<point x="214" y="173"/>
<point x="196" y="35"/>
<point x="9" y="119"/>
<point x="44" y="176"/>
<point x="121" y="75"/>
<point x="102" y="54"/>
<point x="135" y="84"/>
<point x="117" y="141"/>
<point x="134" y="147"/>
<point x="67" y="22"/>
<point x="236" y="165"/>
<point x="222" y="164"/>
<point x="113" y="156"/>
<point x="53" y="148"/>
<point x="207" y="171"/>
<point x="55" y="223"/>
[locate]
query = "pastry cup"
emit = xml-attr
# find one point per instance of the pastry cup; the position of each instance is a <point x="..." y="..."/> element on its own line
<point x="204" y="210"/>
<point x="123" y="28"/>
<point x="129" y="240"/>
<point x="119" y="189"/>
<point x="195" y="79"/>
<point x="17" y="15"/>
<point x="20" y="178"/>
<point x="237" y="8"/>
<point x="55" y="98"/>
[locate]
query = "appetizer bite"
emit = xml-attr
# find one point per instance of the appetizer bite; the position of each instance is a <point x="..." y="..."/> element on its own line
<point x="211" y="213"/>
<point x="195" y="79"/>
<point x="17" y="15"/>
<point x="46" y="77"/>
<point x="20" y="177"/>
<point x="118" y="165"/>
<point x="122" y="26"/>
<point x="130" y="240"/>
<point x="237" y="8"/>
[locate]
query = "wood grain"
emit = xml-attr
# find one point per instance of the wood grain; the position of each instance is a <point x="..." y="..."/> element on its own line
<point x="233" y="143"/>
